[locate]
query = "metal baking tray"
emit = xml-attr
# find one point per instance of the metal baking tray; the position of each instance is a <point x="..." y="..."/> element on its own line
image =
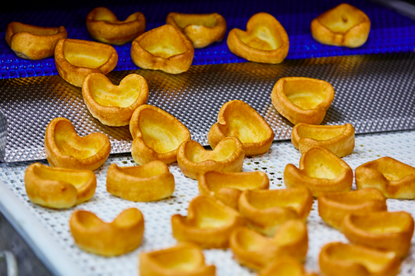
<point x="373" y="92"/>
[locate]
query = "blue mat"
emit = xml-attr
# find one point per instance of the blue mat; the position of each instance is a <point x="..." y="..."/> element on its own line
<point x="390" y="31"/>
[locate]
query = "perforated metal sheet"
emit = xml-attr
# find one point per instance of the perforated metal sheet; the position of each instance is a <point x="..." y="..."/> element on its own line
<point x="158" y="232"/>
<point x="373" y="92"/>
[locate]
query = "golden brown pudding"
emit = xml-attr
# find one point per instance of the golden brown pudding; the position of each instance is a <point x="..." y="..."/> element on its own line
<point x="201" y="29"/>
<point x="33" y="42"/>
<point x="265" y="40"/>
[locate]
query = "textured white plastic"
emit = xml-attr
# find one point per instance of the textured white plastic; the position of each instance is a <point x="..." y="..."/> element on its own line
<point x="158" y="233"/>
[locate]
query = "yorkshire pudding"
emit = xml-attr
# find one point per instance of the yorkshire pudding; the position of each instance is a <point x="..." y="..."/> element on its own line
<point x="209" y="223"/>
<point x="103" y="25"/>
<point x="302" y="100"/>
<point x="237" y="118"/>
<point x="265" y="40"/>
<point x="343" y="25"/>
<point x="58" y="187"/>
<point x="267" y="210"/>
<point x="150" y="182"/>
<point x="113" y="105"/>
<point x="164" y="48"/>
<point x="201" y="29"/>
<point x="386" y="231"/>
<point x="156" y="135"/>
<point x="285" y="266"/>
<point x="183" y="259"/>
<point x="256" y="251"/>
<point x="33" y="42"/>
<point x="228" y="186"/>
<point x="321" y="171"/>
<point x="392" y="177"/>
<point x="75" y="59"/>
<point x="340" y="259"/>
<point x="333" y="207"/>
<point x="65" y="149"/>
<point x="339" y="139"/>
<point x="193" y="159"/>
<point x="122" y="235"/>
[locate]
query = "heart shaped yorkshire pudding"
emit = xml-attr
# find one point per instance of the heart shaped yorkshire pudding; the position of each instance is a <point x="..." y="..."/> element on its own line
<point x="285" y="266"/>
<point x="339" y="139"/>
<point x="33" y="42"/>
<point x="237" y="118"/>
<point x="201" y="29"/>
<point x="265" y="40"/>
<point x="333" y="207"/>
<point x="183" y="259"/>
<point x="58" y="187"/>
<point x="267" y="210"/>
<point x="122" y="235"/>
<point x="343" y="25"/>
<point x="193" y="159"/>
<point x="256" y="251"/>
<point x="387" y="231"/>
<point x="209" y="223"/>
<point x="75" y="59"/>
<point x="321" y="171"/>
<point x="228" y="186"/>
<point x="392" y="177"/>
<point x="340" y="259"/>
<point x="65" y="149"/>
<point x="113" y="105"/>
<point x="164" y="48"/>
<point x="103" y="25"/>
<point x="150" y="182"/>
<point x="302" y="100"/>
<point x="156" y="135"/>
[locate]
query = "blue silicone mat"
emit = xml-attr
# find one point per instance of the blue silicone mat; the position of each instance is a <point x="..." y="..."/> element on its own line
<point x="390" y="30"/>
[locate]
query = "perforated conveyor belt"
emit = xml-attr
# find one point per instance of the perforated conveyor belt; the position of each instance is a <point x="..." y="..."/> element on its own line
<point x="375" y="93"/>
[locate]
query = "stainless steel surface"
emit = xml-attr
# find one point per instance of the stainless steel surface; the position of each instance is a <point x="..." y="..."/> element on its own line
<point x="10" y="260"/>
<point x="373" y="92"/>
<point x="3" y="135"/>
<point x="18" y="258"/>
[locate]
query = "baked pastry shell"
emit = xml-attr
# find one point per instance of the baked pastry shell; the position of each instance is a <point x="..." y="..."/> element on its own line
<point x="321" y="171"/>
<point x="302" y="100"/>
<point x="386" y="231"/>
<point x="33" y="42"/>
<point x="184" y="259"/>
<point x="148" y="51"/>
<point x="339" y="139"/>
<point x="65" y="149"/>
<point x="392" y="177"/>
<point x="333" y="207"/>
<point x="340" y="259"/>
<point x="58" y="188"/>
<point x="267" y="210"/>
<point x="209" y="223"/>
<point x="248" y="44"/>
<point x="103" y="25"/>
<point x="201" y="29"/>
<point x="228" y="186"/>
<point x="150" y="182"/>
<point x="284" y="265"/>
<point x="193" y="159"/>
<point x="237" y="118"/>
<point x="156" y="134"/>
<point x="75" y="59"/>
<point x="344" y="25"/>
<point x="255" y="251"/>
<point x="122" y="235"/>
<point x="113" y="105"/>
